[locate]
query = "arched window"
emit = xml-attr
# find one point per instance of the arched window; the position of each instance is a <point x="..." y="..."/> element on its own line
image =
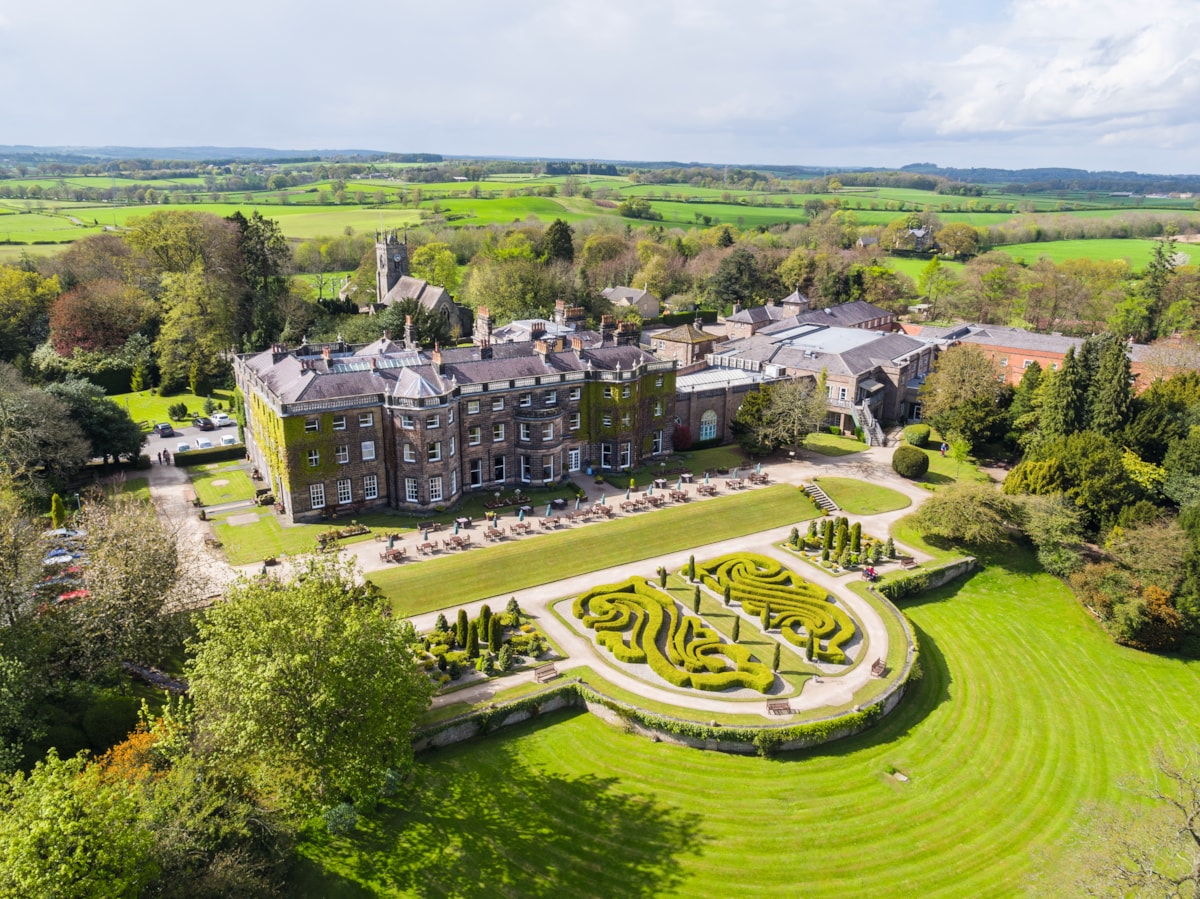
<point x="708" y="425"/>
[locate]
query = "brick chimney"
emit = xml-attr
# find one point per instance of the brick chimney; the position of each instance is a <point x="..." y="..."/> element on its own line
<point x="436" y="356"/>
<point x="537" y="329"/>
<point x="482" y="333"/>
<point x="577" y="345"/>
<point x="325" y="354"/>
<point x="409" y="342"/>
<point x="542" y="348"/>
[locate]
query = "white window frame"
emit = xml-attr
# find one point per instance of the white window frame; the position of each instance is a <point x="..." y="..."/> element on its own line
<point x="314" y="458"/>
<point x="410" y="490"/>
<point x="316" y="495"/>
<point x="368" y="450"/>
<point x="523" y="431"/>
<point x="625" y="392"/>
<point x="606" y="455"/>
<point x="575" y="422"/>
<point x="433" y="422"/>
<point x="658" y="381"/>
<point x="345" y="491"/>
<point x="312" y="425"/>
<point x="342" y="454"/>
<point x="499" y="469"/>
<point x="475" y="472"/>
<point x="625" y="454"/>
<point x="552" y="398"/>
<point x="625" y="419"/>
<point x="474" y="436"/>
<point x="656" y="442"/>
<point x="453" y="449"/>
<point x="472" y="407"/>
<point x="498" y="432"/>
<point x="606" y="420"/>
<point x="370" y="486"/>
<point x="708" y="426"/>
<point x="435" y="489"/>
<point x="366" y="420"/>
<point x="526" y="400"/>
<point x="608" y="392"/>
<point x="453" y="481"/>
<point x="433" y="451"/>
<point x="548" y="432"/>
<point x="407" y="422"/>
<point x="410" y="453"/>
<point x="498" y="404"/>
<point x="526" y="469"/>
<point x="339" y="422"/>
<point x="576" y="393"/>
<point x="658" y="408"/>
<point x="574" y="459"/>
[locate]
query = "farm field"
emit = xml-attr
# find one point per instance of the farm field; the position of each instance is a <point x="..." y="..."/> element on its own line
<point x="1025" y="714"/>
<point x="1136" y="252"/>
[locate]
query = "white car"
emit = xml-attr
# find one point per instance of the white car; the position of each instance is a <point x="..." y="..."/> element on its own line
<point x="221" y="420"/>
<point x="182" y="447"/>
<point x="203" y="443"/>
<point x="228" y="440"/>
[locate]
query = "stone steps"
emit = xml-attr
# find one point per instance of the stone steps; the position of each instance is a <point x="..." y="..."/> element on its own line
<point x="821" y="498"/>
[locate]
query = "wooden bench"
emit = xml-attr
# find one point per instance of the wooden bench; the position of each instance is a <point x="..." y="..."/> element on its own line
<point x="429" y="526"/>
<point x="779" y="708"/>
<point x="545" y="673"/>
<point x="878" y="668"/>
<point x="908" y="562"/>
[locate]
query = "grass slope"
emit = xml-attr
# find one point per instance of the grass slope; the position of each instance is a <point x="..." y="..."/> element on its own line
<point x="860" y="498"/>
<point x="526" y="562"/>
<point x="1026" y="712"/>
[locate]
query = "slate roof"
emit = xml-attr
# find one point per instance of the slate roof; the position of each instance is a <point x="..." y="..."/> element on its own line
<point x="755" y="315"/>
<point x="686" y="334"/>
<point x="410" y="288"/>
<point x="848" y="351"/>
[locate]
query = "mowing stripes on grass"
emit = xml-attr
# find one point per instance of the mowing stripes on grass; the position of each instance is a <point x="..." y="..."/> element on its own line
<point x="541" y="559"/>
<point x="1025" y="713"/>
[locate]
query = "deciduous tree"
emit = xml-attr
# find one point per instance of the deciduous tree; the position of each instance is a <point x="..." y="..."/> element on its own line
<point x="308" y="686"/>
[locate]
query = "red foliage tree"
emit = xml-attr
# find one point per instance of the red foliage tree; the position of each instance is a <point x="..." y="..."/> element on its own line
<point x="99" y="315"/>
<point x="681" y="437"/>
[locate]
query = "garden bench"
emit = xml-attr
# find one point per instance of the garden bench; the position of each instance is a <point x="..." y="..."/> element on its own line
<point x="779" y="708"/>
<point x="545" y="673"/>
<point x="878" y="668"/>
<point x="429" y="526"/>
<point x="908" y="562"/>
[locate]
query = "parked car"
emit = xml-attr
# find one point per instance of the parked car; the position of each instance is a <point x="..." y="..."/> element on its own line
<point x="182" y="447"/>
<point x="221" y="419"/>
<point x="203" y="443"/>
<point x="228" y="440"/>
<point x="204" y="424"/>
<point x="162" y="429"/>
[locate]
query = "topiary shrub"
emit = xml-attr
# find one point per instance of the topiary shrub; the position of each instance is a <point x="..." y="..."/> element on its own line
<point x="909" y="462"/>
<point x="916" y="435"/>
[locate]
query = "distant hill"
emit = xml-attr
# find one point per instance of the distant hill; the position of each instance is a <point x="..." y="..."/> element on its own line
<point x="1061" y="179"/>
<point x="191" y="154"/>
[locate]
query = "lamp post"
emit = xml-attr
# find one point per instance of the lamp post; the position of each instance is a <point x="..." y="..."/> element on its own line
<point x="78" y="505"/>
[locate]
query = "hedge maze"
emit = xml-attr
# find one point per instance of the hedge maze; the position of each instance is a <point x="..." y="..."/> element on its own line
<point x="799" y="609"/>
<point x="679" y="648"/>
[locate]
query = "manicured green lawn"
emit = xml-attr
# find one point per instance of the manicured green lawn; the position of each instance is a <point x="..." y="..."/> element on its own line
<point x="832" y="445"/>
<point x="1026" y="713"/>
<point x="245" y="543"/>
<point x="1136" y="252"/>
<point x="238" y="484"/>
<point x="139" y="488"/>
<point x="860" y="498"/>
<point x="943" y="470"/>
<point x="542" y="558"/>
<point x="147" y="409"/>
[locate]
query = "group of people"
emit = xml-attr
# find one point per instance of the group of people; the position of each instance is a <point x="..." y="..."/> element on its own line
<point x="164" y="457"/>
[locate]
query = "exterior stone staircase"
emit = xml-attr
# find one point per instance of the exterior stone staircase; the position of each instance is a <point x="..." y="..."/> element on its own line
<point x="821" y="498"/>
<point x="871" y="429"/>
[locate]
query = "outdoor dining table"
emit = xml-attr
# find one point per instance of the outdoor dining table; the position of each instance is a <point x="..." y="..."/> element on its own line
<point x="660" y="483"/>
<point x="463" y="522"/>
<point x="494" y="533"/>
<point x="427" y="547"/>
<point x="707" y="490"/>
<point x="687" y="477"/>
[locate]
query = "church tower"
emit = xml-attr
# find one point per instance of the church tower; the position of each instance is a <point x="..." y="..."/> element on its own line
<point x="391" y="262"/>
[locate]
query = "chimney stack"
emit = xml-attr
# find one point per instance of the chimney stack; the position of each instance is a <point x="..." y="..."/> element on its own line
<point x="437" y="359"/>
<point x="409" y="342"/>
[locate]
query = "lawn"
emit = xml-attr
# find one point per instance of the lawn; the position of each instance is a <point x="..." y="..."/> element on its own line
<point x="833" y="445"/>
<point x="860" y="498"/>
<point x="211" y="493"/>
<point x="138" y="488"/>
<point x="146" y="408"/>
<point x="1025" y="714"/>
<point x="944" y="470"/>
<point x="1136" y="252"/>
<point x="539" y="559"/>
<point x="245" y="543"/>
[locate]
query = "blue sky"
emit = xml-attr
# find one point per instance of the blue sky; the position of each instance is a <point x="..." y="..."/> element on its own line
<point x="1098" y="84"/>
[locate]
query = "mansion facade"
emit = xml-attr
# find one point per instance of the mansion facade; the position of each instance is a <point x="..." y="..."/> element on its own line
<point x="344" y="428"/>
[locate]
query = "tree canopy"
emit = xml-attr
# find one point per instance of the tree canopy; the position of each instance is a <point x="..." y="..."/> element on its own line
<point x="309" y="687"/>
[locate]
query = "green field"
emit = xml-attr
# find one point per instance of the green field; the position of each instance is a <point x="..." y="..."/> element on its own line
<point x="148" y="408"/>
<point x="1136" y="252"/>
<point x="1026" y="713"/>
<point x="513" y="565"/>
